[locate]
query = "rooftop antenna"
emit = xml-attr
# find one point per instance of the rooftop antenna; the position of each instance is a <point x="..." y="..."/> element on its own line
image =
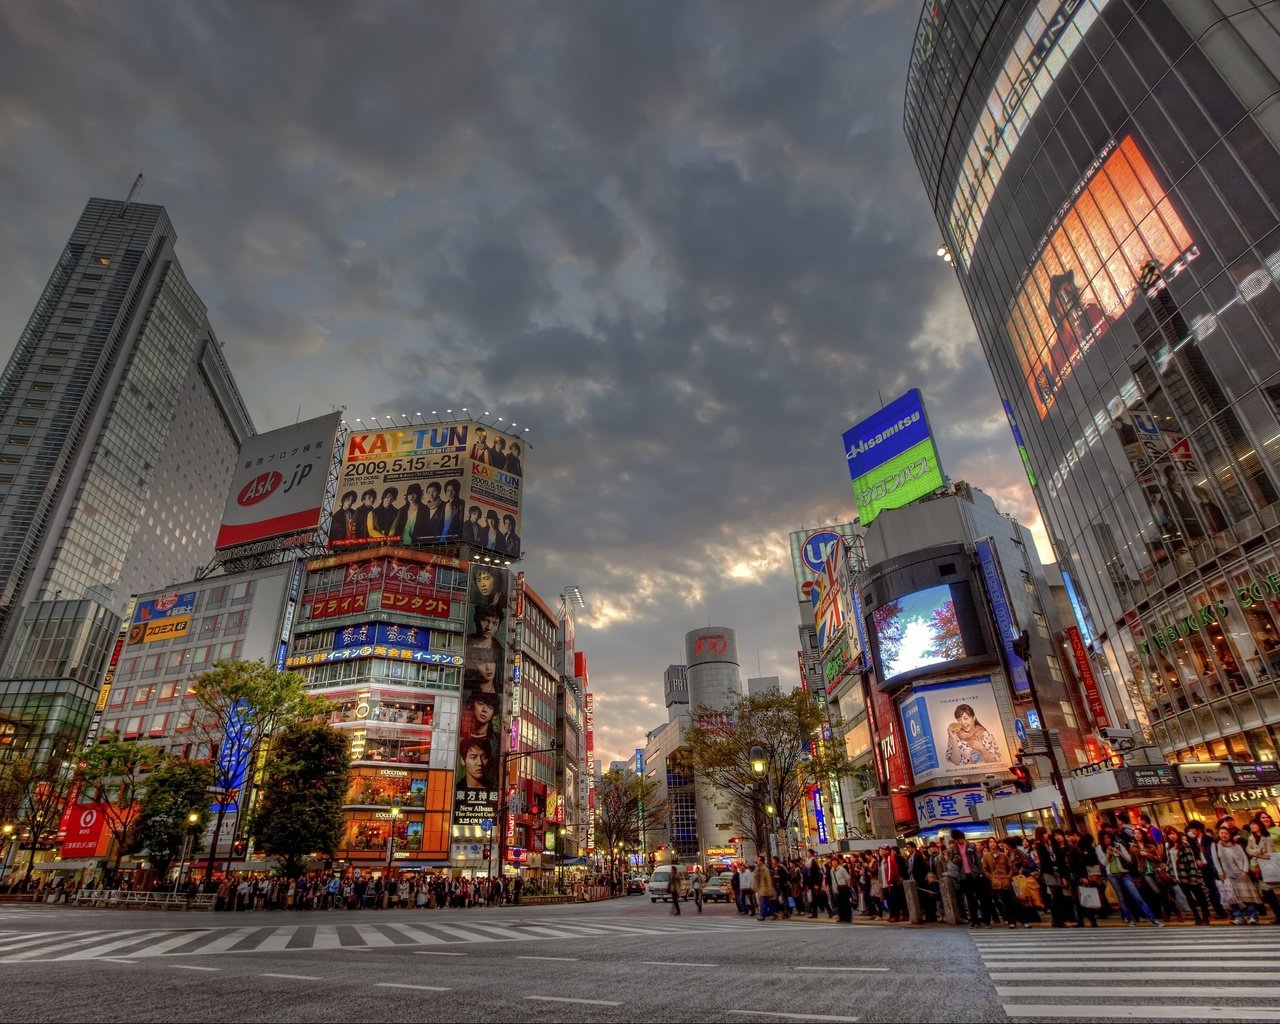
<point x="138" y="182"/>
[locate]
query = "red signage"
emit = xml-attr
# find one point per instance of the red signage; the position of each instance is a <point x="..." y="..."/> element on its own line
<point x="325" y="606"/>
<point x="84" y="832"/>
<point x="710" y="643"/>
<point x="393" y="599"/>
<point x="1092" y="696"/>
<point x="258" y="488"/>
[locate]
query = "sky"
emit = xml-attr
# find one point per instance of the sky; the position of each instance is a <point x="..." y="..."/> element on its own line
<point x="684" y="243"/>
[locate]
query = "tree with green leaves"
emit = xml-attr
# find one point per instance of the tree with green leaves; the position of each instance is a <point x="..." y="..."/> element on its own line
<point x="240" y="704"/>
<point x="788" y="729"/>
<point x="113" y="775"/>
<point x="307" y="777"/>
<point x="626" y="810"/>
<point x="33" y="794"/>
<point x="177" y="793"/>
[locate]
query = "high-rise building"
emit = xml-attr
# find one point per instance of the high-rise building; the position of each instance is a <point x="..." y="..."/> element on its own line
<point x="119" y="428"/>
<point x="1106" y="175"/>
<point x="714" y="680"/>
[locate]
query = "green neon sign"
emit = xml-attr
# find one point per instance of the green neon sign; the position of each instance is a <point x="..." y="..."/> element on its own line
<point x="898" y="482"/>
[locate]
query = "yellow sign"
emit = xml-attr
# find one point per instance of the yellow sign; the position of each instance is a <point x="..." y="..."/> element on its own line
<point x="104" y="694"/>
<point x="721" y="851"/>
<point x="167" y="629"/>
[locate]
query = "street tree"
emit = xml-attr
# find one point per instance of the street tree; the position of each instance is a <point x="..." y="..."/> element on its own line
<point x="788" y="729"/>
<point x="239" y="704"/>
<point x="114" y="776"/>
<point x="307" y="777"/>
<point x="33" y="794"/>
<point x="626" y="810"/>
<point x="177" y="789"/>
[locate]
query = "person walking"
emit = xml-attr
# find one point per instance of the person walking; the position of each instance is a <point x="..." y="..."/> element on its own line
<point x="1121" y="866"/>
<point x="749" y="890"/>
<point x="1236" y="887"/>
<point x="965" y="870"/>
<point x="1182" y="857"/>
<point x="1199" y="838"/>
<point x="673" y="888"/>
<point x="1264" y="860"/>
<point x="765" y="890"/>
<point x="1084" y="874"/>
<point x="842" y="881"/>
<point x="696" y="880"/>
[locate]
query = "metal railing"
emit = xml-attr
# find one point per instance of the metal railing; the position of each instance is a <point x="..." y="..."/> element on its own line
<point x="129" y="899"/>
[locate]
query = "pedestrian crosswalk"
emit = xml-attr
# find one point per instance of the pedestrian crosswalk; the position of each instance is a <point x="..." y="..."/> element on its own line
<point x="1124" y="973"/>
<point x="28" y="946"/>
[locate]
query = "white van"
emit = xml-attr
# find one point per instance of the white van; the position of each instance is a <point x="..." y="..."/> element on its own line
<point x="658" y="881"/>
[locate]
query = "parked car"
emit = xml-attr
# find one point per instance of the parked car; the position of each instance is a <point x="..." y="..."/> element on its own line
<point x="636" y="884"/>
<point x="718" y="889"/>
<point x="657" y="885"/>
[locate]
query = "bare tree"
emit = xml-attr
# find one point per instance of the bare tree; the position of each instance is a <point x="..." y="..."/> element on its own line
<point x="625" y="811"/>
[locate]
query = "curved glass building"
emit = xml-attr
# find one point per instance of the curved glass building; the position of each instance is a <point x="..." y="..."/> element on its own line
<point x="1107" y="181"/>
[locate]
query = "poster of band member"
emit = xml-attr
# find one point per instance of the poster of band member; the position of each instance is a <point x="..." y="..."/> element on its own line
<point x="484" y="685"/>
<point x="437" y="483"/>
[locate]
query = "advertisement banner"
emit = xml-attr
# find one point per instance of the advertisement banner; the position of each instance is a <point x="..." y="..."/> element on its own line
<point x="954" y="730"/>
<point x="440" y="483"/>
<point x="484" y="688"/>
<point x="891" y="457"/>
<point x="948" y="806"/>
<point x="1092" y="695"/>
<point x="1002" y="614"/>
<point x="828" y="609"/>
<point x="384" y="634"/>
<point x="394" y="653"/>
<point x="278" y="485"/>
<point x="1120" y="218"/>
<point x="162" y="618"/>
<point x="809" y="550"/>
<point x="86" y="831"/>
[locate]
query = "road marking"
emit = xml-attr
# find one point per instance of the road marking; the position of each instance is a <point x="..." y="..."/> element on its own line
<point x="194" y="967"/>
<point x="1095" y="1011"/>
<point x="1143" y="991"/>
<point x="792" y="1016"/>
<point x="416" y="988"/>
<point x="566" y="999"/>
<point x="117" y="960"/>
<point x="673" y="963"/>
<point x="573" y="959"/>
<point x="876" y="970"/>
<point x="1068" y="973"/>
<point x="291" y="977"/>
<point x="436" y="952"/>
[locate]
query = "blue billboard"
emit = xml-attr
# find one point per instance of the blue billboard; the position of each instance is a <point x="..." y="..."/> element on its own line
<point x="1003" y="615"/>
<point x="387" y="634"/>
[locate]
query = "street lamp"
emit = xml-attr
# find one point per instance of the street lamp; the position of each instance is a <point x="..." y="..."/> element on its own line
<point x="759" y="767"/>
<point x="560" y="858"/>
<point x="9" y="846"/>
<point x="193" y="819"/>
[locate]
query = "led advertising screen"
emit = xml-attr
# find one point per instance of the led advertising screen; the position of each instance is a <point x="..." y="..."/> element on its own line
<point x="917" y="630"/>
<point x="954" y="730"/>
<point x="1119" y="221"/>
<point x="484" y="687"/>
<point x="433" y="484"/>
<point x="891" y="456"/>
<point x="278" y="486"/>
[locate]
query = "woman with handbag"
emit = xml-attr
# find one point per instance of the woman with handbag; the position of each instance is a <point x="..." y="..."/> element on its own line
<point x="1121" y="867"/>
<point x="1236" y="886"/>
<point x="1264" y="857"/>
<point x="1051" y="855"/>
<point x="1184" y="868"/>
<point x="1083" y="874"/>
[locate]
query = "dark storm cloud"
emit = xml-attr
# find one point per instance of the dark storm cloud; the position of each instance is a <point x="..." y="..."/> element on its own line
<point x="684" y="242"/>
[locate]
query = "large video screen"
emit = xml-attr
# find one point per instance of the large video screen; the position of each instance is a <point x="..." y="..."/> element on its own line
<point x="919" y="629"/>
<point x="1120" y="221"/>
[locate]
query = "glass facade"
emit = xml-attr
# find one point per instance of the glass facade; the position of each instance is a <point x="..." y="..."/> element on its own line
<point x="1107" y="180"/>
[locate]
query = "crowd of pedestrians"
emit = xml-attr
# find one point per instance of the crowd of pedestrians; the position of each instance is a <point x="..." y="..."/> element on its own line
<point x="1140" y="872"/>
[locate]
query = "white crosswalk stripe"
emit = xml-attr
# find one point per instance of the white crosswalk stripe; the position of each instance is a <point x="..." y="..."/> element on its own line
<point x="1125" y="974"/>
<point x="78" y="945"/>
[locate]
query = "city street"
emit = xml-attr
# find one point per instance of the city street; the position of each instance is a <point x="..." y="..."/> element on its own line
<point x="620" y="960"/>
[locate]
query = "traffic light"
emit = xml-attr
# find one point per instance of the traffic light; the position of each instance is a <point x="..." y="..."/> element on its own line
<point x="1021" y="776"/>
<point x="488" y="852"/>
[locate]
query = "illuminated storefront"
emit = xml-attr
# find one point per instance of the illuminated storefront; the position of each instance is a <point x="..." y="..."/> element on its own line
<point x="1107" y="183"/>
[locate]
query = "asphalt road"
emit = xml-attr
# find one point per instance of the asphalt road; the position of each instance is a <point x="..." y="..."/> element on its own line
<point x="620" y="960"/>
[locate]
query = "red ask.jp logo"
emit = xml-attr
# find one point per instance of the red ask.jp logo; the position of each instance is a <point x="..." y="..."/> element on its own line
<point x="260" y="487"/>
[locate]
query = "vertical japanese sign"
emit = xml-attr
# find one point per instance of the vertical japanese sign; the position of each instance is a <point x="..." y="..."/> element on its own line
<point x="1092" y="695"/>
<point x="1002" y="614"/>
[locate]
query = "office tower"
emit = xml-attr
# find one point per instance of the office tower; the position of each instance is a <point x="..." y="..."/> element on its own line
<point x="1106" y="178"/>
<point x="119" y="428"/>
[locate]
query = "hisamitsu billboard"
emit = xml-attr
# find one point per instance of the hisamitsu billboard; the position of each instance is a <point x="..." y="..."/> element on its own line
<point x="891" y="456"/>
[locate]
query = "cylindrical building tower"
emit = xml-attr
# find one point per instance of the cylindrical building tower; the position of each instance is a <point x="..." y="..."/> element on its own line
<point x="1106" y="176"/>
<point x="713" y="677"/>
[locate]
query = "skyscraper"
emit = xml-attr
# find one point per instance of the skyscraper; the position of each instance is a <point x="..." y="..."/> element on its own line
<point x="1106" y="178"/>
<point x="119" y="428"/>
